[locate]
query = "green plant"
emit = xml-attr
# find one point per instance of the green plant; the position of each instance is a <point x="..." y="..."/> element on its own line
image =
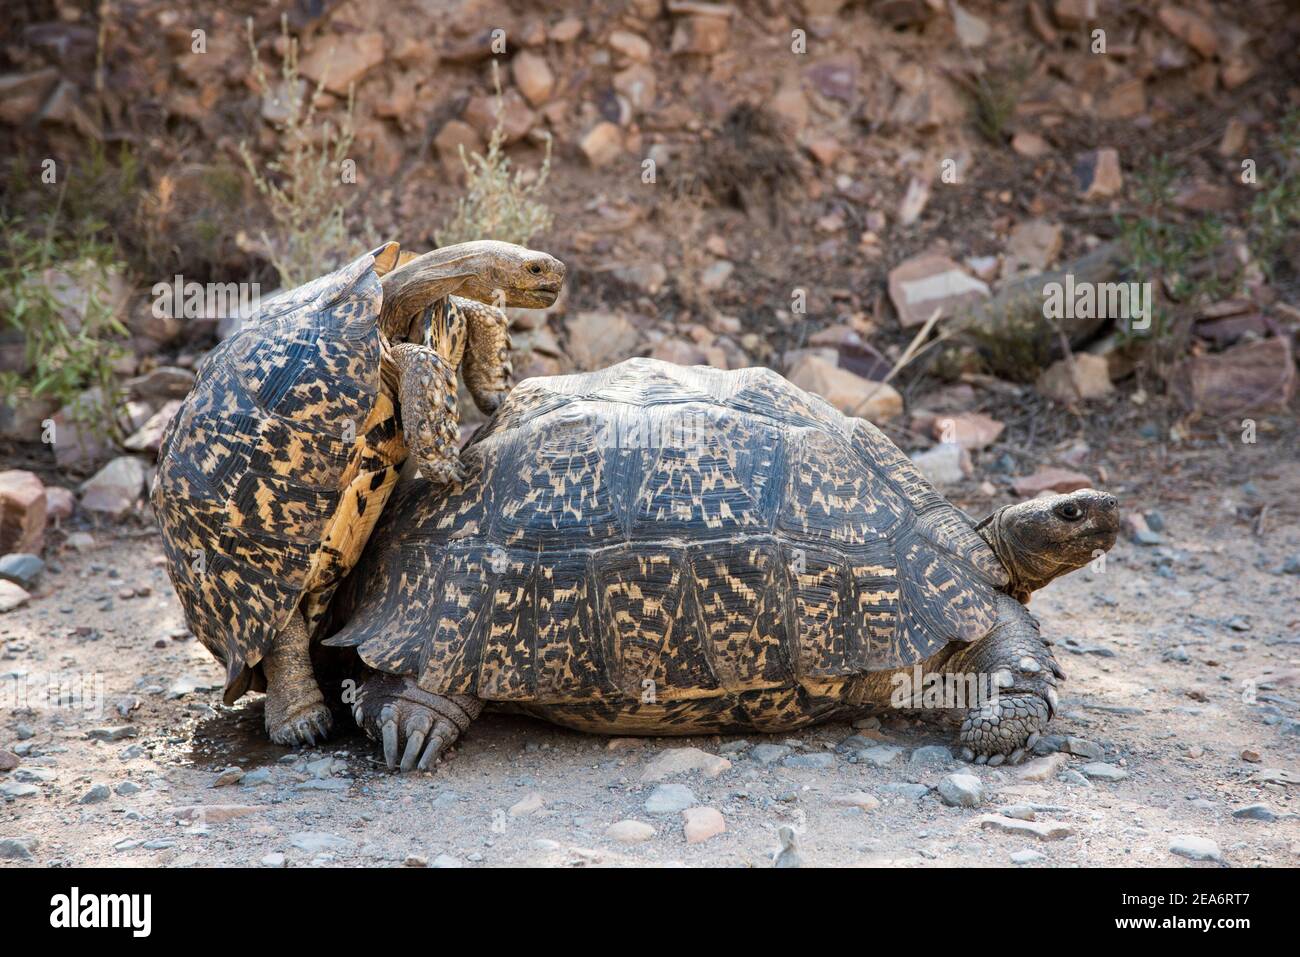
<point x="303" y="182"/>
<point x="64" y="353"/>
<point x="1275" y="212"/>
<point x="994" y="95"/>
<point x="498" y="203"/>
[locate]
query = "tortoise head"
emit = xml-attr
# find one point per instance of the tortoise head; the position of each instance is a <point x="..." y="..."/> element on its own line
<point x="511" y="275"/>
<point x="1045" y="537"/>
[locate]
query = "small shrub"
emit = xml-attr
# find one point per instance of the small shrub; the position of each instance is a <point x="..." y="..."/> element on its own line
<point x="302" y="184"/>
<point x="498" y="203"/>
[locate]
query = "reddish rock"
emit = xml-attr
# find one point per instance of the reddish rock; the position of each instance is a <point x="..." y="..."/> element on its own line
<point x="12" y="596"/>
<point x="1251" y="376"/>
<point x="631" y="45"/>
<point x="340" y="61"/>
<point x="1098" y="173"/>
<point x="848" y="392"/>
<point x="927" y="282"/>
<point x="22" y="512"/>
<point x="1085" y="377"/>
<point x="702" y="823"/>
<point x="533" y="76"/>
<point x="603" y="144"/>
<point x="1192" y="29"/>
<point x="1050" y="480"/>
<point x="453" y="135"/>
<point x="970" y="430"/>
<point x="114" y="489"/>
<point x="701" y="35"/>
<point x="60" y="503"/>
<point x="512" y="112"/>
<point x="1030" y="144"/>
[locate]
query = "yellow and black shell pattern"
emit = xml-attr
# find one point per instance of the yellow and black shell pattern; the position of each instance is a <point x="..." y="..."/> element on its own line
<point x="273" y="472"/>
<point x="681" y="533"/>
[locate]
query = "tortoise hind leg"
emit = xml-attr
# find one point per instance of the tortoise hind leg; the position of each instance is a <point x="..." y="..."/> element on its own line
<point x="295" y="708"/>
<point x="414" y="725"/>
<point x="1016" y="664"/>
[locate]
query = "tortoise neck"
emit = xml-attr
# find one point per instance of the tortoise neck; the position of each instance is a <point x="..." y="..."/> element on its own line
<point x="1027" y="570"/>
<point x="435" y="275"/>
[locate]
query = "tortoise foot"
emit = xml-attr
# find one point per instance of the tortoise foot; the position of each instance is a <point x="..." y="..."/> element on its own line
<point x="1002" y="730"/>
<point x="415" y="726"/>
<point x="305" y="726"/>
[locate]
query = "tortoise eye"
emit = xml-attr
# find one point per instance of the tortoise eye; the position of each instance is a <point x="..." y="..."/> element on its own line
<point x="1070" y="511"/>
<point x="535" y="269"/>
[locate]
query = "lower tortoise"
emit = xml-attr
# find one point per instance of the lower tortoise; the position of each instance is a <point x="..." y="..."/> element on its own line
<point x="653" y="549"/>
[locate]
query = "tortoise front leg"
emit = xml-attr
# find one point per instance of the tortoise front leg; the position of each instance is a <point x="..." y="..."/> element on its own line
<point x="1016" y="663"/>
<point x="414" y="725"/>
<point x="486" y="366"/>
<point x="430" y="415"/>
<point x="295" y="708"/>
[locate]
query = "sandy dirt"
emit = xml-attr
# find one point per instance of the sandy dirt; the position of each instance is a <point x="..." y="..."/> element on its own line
<point x="1184" y="679"/>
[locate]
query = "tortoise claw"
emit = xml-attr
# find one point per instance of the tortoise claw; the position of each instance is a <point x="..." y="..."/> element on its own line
<point x="390" y="741"/>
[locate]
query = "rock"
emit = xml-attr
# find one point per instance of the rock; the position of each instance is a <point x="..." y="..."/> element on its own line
<point x="972" y="31"/>
<point x="769" y="753"/>
<point x="1027" y="857"/>
<point x="684" y="761"/>
<point x="647" y="277"/>
<point x="637" y="85"/>
<point x="455" y="135"/>
<point x="1100" y="771"/>
<point x="275" y="860"/>
<point x="961" y="790"/>
<point x="161" y="384"/>
<point x="629" y="832"/>
<point x="914" y="201"/>
<point x="530" y="803"/>
<point x="533" y="77"/>
<point x="1192" y="29"/>
<point x="702" y="823"/>
<point x="1255" y="812"/>
<point x="1042" y="769"/>
<point x="22" y="94"/>
<point x="1085" y="376"/>
<point x="317" y="842"/>
<point x="1050" y="480"/>
<point x="17" y="849"/>
<point x="602" y="144"/>
<point x="858" y="799"/>
<point x="340" y="60"/>
<point x="21" y="568"/>
<point x="12" y="596"/>
<point x="702" y="35"/>
<point x="95" y="795"/>
<point x="1034" y="245"/>
<point x="631" y="45"/>
<point x="1098" y="173"/>
<point x="1082" y="748"/>
<point x="788" y="854"/>
<point x="127" y="789"/>
<point x="1124" y="101"/>
<point x="1043" y="830"/>
<point x="596" y="338"/>
<point x="1075" y="13"/>
<point x="931" y="754"/>
<point x="446" y="862"/>
<point x="217" y="813"/>
<point x="847" y="391"/>
<point x="1030" y="145"/>
<point x="149" y="436"/>
<point x="970" y="430"/>
<point x="881" y="756"/>
<point x="118" y="733"/>
<point x="714" y="276"/>
<point x="8" y="760"/>
<point x="567" y="30"/>
<point x="15" y="789"/>
<point x="1195" y="848"/>
<point x="1250" y="376"/>
<point x="114" y="489"/>
<point x="912" y="792"/>
<point x="945" y="464"/>
<point x="670" y="799"/>
<point x="820" y="761"/>
<point x="60" y="503"/>
<point x="22" y="512"/>
<point x="512" y="112"/>
<point x="922" y="284"/>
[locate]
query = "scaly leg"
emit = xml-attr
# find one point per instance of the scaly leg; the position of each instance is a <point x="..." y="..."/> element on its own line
<point x="486" y="366"/>
<point x="1014" y="657"/>
<point x="295" y="709"/>
<point x="430" y="415"/>
<point x="415" y="726"/>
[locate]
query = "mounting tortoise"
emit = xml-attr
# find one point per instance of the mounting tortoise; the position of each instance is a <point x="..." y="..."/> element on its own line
<point x="654" y="549"/>
<point x="273" y="472"/>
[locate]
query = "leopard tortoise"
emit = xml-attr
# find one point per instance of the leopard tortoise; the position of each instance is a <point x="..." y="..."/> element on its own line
<point x="654" y="549"/>
<point x="271" y="475"/>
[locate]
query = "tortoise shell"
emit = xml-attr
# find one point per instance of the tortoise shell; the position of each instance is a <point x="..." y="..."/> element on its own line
<point x="695" y="532"/>
<point x="273" y="472"/>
